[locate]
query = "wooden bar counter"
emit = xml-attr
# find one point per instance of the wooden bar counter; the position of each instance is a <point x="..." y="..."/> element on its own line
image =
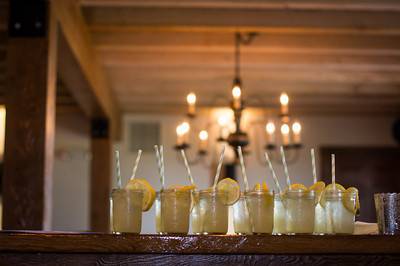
<point x="55" y="248"/>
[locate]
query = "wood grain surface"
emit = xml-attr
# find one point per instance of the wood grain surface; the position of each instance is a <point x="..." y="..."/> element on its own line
<point x="194" y="259"/>
<point x="217" y="244"/>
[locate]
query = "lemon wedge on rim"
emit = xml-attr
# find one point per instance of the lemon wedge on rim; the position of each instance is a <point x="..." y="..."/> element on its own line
<point x="232" y="190"/>
<point x="298" y="187"/>
<point x="348" y="200"/>
<point x="318" y="186"/>
<point x="330" y="187"/>
<point x="261" y="187"/>
<point x="149" y="194"/>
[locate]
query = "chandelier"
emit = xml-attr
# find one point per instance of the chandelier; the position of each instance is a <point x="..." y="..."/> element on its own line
<point x="290" y="132"/>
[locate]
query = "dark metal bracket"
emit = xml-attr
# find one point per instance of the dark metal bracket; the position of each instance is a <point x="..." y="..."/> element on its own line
<point x="28" y="18"/>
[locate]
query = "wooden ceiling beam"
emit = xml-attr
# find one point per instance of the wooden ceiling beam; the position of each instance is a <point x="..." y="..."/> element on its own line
<point x="74" y="28"/>
<point x="224" y="42"/>
<point x="359" y="5"/>
<point x="239" y="19"/>
<point x="250" y="60"/>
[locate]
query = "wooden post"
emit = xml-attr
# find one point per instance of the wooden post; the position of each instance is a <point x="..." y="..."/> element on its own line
<point x="30" y="119"/>
<point x="100" y="183"/>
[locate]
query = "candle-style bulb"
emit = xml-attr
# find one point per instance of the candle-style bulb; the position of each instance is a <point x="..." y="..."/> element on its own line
<point x="296" y="128"/>
<point x="285" y="130"/>
<point x="284" y="100"/>
<point x="191" y="100"/>
<point x="203" y="135"/>
<point x="237" y="93"/>
<point x="270" y="128"/>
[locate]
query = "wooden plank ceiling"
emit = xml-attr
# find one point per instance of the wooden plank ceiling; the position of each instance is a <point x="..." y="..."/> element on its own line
<point x="330" y="56"/>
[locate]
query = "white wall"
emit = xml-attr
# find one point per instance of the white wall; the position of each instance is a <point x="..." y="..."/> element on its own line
<point x="71" y="176"/>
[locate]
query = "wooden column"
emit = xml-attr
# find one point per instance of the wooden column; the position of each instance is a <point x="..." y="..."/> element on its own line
<point x="30" y="119"/>
<point x="100" y="185"/>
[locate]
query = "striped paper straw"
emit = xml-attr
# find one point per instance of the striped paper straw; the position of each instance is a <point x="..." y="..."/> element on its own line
<point x="119" y="179"/>
<point x="243" y="168"/>
<point x="187" y="167"/>
<point x="135" y="166"/>
<point x="314" y="168"/>
<point x="273" y="172"/>
<point x="221" y="159"/>
<point x="285" y="168"/>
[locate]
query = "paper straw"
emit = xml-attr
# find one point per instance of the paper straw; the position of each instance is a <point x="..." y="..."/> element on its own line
<point x="135" y="166"/>
<point x="243" y="168"/>
<point x="285" y="168"/>
<point x="314" y="169"/>
<point x="159" y="165"/>
<point x="119" y="179"/>
<point x="333" y="171"/>
<point x="221" y="159"/>
<point x="187" y="167"/>
<point x="162" y="166"/>
<point x="273" y="172"/>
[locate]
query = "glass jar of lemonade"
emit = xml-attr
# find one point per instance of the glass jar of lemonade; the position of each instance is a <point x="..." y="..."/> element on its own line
<point x="213" y="211"/>
<point x="279" y="215"/>
<point x="340" y="210"/>
<point x="260" y="206"/>
<point x="300" y="211"/>
<point x="126" y="210"/>
<point x="195" y="217"/>
<point x="241" y="218"/>
<point x="173" y="211"/>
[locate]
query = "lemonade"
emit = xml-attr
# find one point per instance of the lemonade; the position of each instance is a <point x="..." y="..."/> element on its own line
<point x="126" y="210"/>
<point x="214" y="206"/>
<point x="241" y="218"/>
<point x="279" y="216"/>
<point x="195" y="217"/>
<point x="173" y="211"/>
<point x="213" y="212"/>
<point x="320" y="216"/>
<point x="300" y="210"/>
<point x="340" y="208"/>
<point x="260" y="205"/>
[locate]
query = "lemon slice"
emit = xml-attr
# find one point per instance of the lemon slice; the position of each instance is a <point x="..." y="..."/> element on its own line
<point x="348" y="201"/>
<point x="319" y="186"/>
<point x="149" y="194"/>
<point x="232" y="190"/>
<point x="329" y="187"/>
<point x="261" y="187"/>
<point x="298" y="187"/>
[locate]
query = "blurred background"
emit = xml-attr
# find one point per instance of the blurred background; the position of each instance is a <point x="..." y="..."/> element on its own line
<point x="116" y="75"/>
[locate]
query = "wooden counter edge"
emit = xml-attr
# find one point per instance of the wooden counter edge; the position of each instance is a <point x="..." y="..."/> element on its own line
<point x="192" y="244"/>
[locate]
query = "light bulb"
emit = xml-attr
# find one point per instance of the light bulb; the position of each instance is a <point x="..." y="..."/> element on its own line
<point x="180" y="130"/>
<point x="270" y="128"/>
<point x="284" y="99"/>
<point x="223" y="120"/>
<point x="296" y="127"/>
<point x="185" y="127"/>
<point x="191" y="98"/>
<point x="236" y="92"/>
<point x="203" y="135"/>
<point x="285" y="129"/>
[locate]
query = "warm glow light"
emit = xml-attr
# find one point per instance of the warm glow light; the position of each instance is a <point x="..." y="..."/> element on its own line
<point x="185" y="127"/>
<point x="270" y="128"/>
<point x="179" y="130"/>
<point x="191" y="98"/>
<point x="296" y="127"/>
<point x="223" y="120"/>
<point x="285" y="129"/>
<point x="203" y="135"/>
<point x="236" y="92"/>
<point x="284" y="99"/>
